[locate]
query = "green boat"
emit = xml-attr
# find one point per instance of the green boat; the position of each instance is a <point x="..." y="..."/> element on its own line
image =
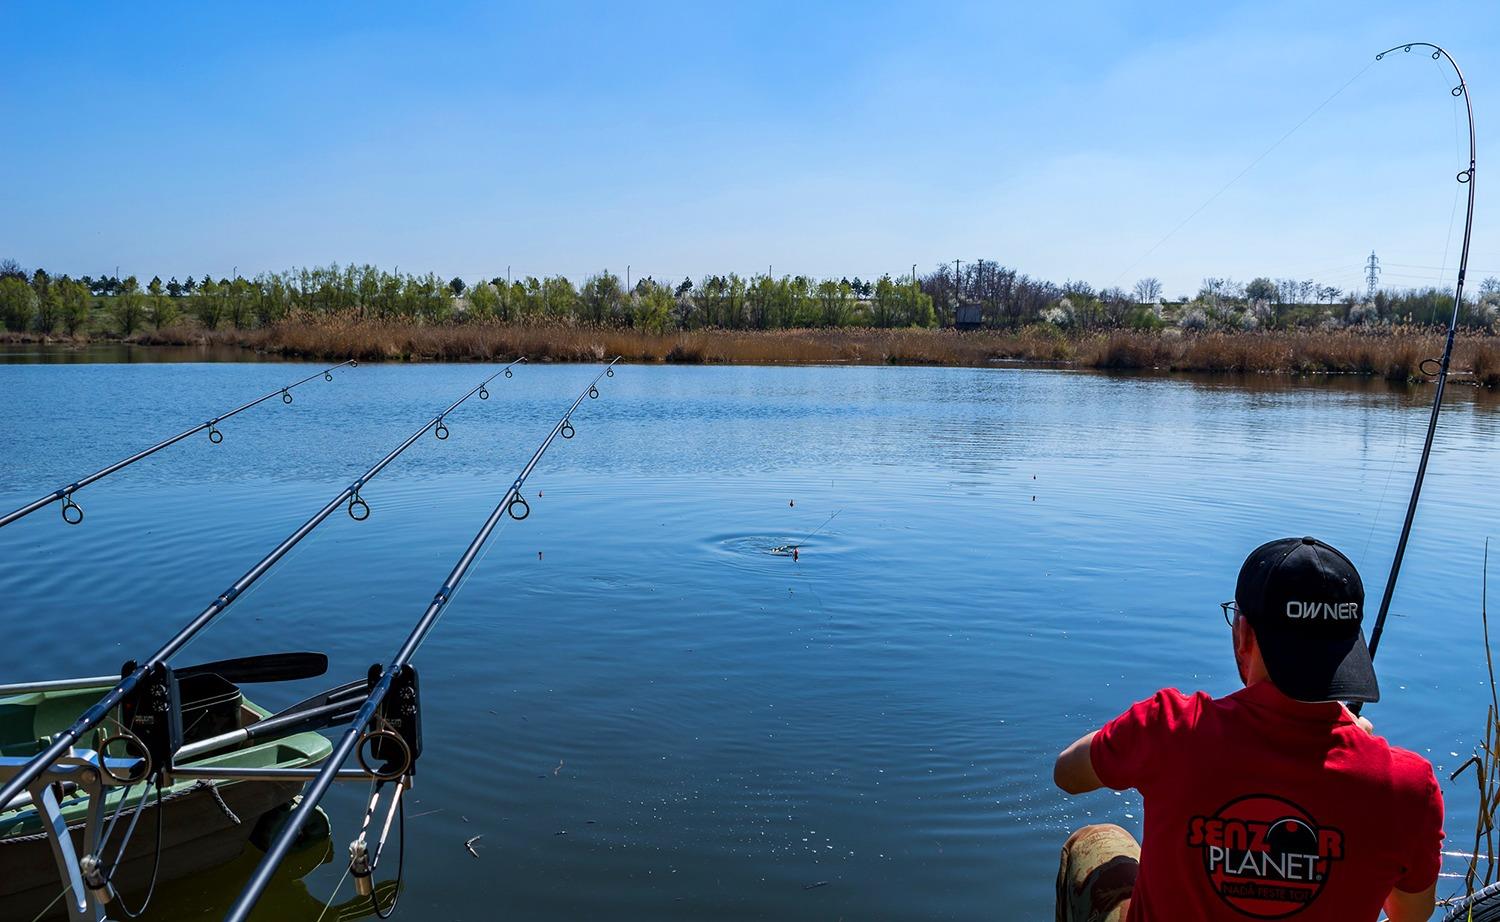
<point x="203" y="821"/>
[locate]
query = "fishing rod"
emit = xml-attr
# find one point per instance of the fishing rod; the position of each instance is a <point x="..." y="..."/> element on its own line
<point x="1436" y="367"/>
<point x="149" y="685"/>
<point x="393" y="701"/>
<point x="72" y="513"/>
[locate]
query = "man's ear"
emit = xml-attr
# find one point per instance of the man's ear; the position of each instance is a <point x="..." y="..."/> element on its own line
<point x="1244" y="638"/>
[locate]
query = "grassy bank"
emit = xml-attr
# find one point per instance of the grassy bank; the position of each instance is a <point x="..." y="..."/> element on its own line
<point x="1390" y="352"/>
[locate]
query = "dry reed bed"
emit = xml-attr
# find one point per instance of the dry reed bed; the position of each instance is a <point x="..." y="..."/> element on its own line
<point x="1392" y="353"/>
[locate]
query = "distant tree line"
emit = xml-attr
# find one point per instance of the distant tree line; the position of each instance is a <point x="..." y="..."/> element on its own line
<point x="977" y="294"/>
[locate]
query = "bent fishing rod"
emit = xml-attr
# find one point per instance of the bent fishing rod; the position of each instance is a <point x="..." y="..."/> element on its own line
<point x="134" y="681"/>
<point x="72" y="513"/>
<point x="1435" y="367"/>
<point x="393" y="703"/>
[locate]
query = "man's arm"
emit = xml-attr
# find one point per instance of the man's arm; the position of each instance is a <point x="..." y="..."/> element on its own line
<point x="1074" y="771"/>
<point x="1401" y="906"/>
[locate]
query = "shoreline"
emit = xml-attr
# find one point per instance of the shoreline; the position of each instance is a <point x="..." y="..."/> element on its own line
<point x="1389" y="353"/>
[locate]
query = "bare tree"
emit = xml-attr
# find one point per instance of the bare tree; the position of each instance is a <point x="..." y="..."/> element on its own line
<point x="1148" y="290"/>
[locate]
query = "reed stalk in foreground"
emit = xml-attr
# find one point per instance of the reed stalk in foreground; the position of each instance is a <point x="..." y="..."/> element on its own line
<point x="1484" y="761"/>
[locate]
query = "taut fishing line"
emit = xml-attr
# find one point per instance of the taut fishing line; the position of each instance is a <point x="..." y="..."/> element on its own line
<point x="1240" y="175"/>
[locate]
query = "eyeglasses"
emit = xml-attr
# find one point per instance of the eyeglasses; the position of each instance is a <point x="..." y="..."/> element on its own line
<point x="1231" y="611"/>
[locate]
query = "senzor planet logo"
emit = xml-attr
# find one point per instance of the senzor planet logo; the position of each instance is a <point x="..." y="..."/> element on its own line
<point x="1265" y="856"/>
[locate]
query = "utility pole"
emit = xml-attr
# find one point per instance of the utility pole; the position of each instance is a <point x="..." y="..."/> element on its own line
<point x="1372" y="275"/>
<point x="627" y="278"/>
<point x="956" y="299"/>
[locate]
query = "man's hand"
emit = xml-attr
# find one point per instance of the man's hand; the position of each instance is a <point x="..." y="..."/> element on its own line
<point x="1361" y="721"/>
<point x="1074" y="771"/>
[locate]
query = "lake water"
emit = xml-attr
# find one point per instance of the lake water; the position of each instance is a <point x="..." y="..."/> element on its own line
<point x="866" y="732"/>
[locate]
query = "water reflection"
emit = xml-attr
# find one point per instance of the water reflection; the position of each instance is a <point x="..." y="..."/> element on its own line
<point x="647" y="714"/>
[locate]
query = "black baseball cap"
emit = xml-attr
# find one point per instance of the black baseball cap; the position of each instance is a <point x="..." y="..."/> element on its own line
<point x="1306" y="604"/>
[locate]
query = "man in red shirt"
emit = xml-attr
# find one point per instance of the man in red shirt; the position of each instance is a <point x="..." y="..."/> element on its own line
<point x="1274" y="802"/>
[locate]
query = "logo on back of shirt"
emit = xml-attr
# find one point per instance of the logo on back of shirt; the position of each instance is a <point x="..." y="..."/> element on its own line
<point x="1265" y="857"/>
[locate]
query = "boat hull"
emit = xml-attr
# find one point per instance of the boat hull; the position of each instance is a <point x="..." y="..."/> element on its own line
<point x="197" y="833"/>
<point x="203" y="823"/>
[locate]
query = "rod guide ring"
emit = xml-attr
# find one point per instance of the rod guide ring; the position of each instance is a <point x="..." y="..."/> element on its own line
<point x="483" y="394"/>
<point x="609" y="372"/>
<point x="441" y="431"/>
<point x="507" y="373"/>
<point x="214" y="435"/>
<point x="1431" y="367"/>
<point x="147" y="768"/>
<point x="355" y="502"/>
<point x="370" y="737"/>
<point x="327" y="376"/>
<point x="286" y="396"/>
<point x="567" y="429"/>
<point x="518" y="501"/>
<point x="72" y="513"/>
<point x="593" y="392"/>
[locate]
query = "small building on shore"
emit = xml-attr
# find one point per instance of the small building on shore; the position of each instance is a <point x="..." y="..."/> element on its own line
<point x="968" y="317"/>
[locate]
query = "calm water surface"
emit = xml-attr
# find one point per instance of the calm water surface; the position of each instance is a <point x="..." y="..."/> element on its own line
<point x="1017" y="555"/>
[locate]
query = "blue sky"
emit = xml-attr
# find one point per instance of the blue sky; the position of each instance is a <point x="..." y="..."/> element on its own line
<point x="828" y="139"/>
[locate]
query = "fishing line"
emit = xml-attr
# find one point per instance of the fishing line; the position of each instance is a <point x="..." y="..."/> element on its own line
<point x="332" y="896"/>
<point x="155" y="865"/>
<point x="815" y="531"/>
<point x="61" y="893"/>
<point x="1238" y="176"/>
<point x="1390" y="474"/>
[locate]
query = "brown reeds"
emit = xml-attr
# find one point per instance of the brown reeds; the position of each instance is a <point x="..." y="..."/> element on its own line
<point x="1393" y="353"/>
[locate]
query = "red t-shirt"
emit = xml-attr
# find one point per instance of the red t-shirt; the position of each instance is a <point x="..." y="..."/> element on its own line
<point x="1261" y="807"/>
